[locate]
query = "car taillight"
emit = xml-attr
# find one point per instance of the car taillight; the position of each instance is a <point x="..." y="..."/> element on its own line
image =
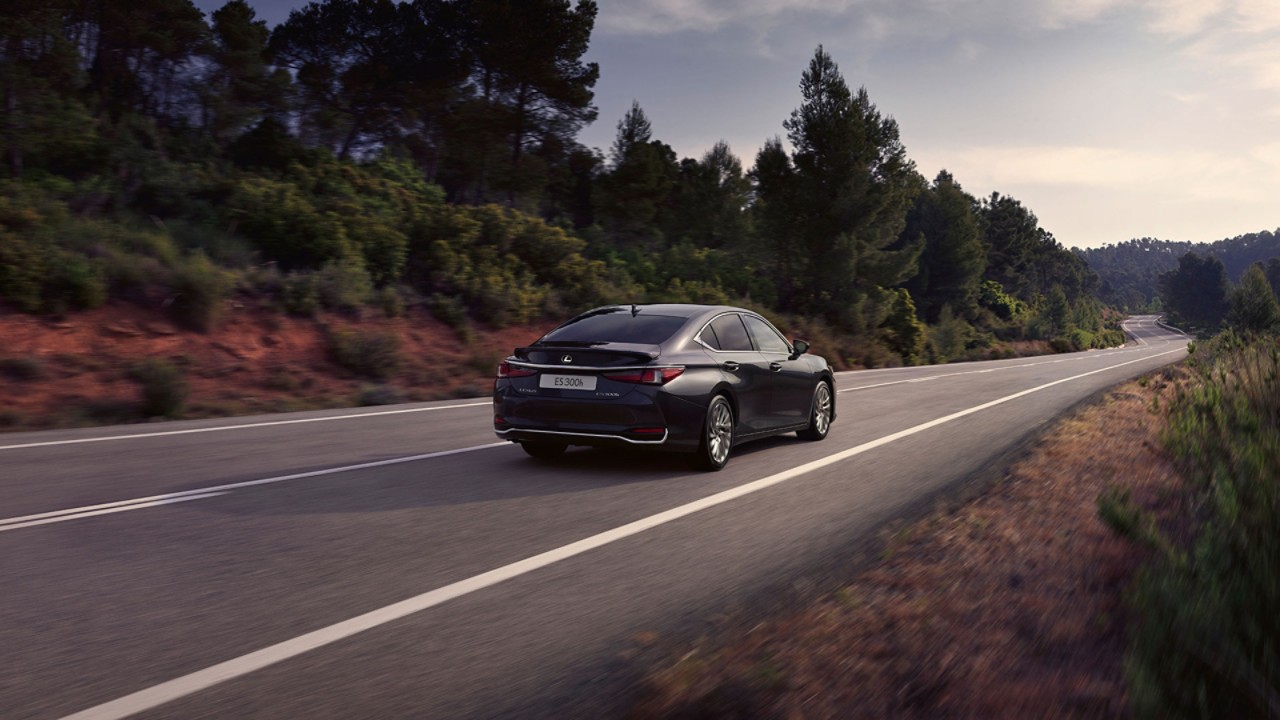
<point x="649" y="431"/>
<point x="647" y="376"/>
<point x="507" y="370"/>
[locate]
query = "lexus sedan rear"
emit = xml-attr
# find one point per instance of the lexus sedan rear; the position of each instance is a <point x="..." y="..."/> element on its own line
<point x="695" y="379"/>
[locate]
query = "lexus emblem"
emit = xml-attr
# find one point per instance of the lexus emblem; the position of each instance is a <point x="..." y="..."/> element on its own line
<point x="566" y="359"/>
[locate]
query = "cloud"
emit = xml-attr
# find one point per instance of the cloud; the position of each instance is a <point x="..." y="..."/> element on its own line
<point x="654" y="17"/>
<point x="1189" y="174"/>
<point x="1268" y="154"/>
<point x="1065" y="13"/>
<point x="1258" y="15"/>
<point x="1182" y="17"/>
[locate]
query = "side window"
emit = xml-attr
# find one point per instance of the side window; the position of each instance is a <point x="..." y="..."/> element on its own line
<point x="708" y="338"/>
<point x="765" y="337"/>
<point x="731" y="333"/>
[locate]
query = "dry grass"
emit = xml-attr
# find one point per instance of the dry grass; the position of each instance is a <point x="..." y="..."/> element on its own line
<point x="63" y="372"/>
<point x="1008" y="606"/>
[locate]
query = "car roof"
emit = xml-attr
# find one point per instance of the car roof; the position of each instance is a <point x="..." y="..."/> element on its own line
<point x="684" y="310"/>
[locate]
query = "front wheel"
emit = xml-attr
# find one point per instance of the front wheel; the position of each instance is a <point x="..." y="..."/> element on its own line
<point x="820" y="416"/>
<point x="543" y="450"/>
<point x="717" y="436"/>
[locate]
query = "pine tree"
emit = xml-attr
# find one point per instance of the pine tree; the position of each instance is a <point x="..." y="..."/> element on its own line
<point x="1253" y="304"/>
<point x="851" y="189"/>
<point x="953" y="259"/>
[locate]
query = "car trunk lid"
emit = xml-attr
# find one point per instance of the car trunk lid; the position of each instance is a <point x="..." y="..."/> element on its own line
<point x="589" y="355"/>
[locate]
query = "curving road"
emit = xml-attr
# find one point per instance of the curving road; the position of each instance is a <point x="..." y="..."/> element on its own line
<point x="399" y="563"/>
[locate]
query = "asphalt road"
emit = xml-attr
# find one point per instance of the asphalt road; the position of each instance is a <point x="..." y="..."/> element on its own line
<point x="400" y="563"/>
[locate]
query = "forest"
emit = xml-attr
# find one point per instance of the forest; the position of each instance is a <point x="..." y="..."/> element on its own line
<point x="1129" y="272"/>
<point x="373" y="156"/>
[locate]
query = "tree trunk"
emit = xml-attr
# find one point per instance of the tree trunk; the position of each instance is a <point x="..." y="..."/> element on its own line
<point x="356" y="123"/>
<point x="11" y="112"/>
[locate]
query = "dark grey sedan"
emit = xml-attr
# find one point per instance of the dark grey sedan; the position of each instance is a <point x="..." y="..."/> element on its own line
<point x="698" y="379"/>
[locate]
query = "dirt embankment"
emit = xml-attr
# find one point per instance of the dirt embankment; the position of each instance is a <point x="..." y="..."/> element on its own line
<point x="1006" y="606"/>
<point x="79" y="370"/>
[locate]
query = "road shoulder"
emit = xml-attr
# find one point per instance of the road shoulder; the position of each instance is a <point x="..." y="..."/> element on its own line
<point x="1005" y="605"/>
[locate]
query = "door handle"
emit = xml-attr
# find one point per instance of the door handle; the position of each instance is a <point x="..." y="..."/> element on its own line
<point x="731" y="366"/>
<point x="775" y="366"/>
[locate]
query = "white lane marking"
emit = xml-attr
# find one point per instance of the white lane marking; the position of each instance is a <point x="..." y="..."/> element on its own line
<point x="1102" y="354"/>
<point x="220" y="428"/>
<point x="153" y="500"/>
<point x="202" y="679"/>
<point x="107" y="511"/>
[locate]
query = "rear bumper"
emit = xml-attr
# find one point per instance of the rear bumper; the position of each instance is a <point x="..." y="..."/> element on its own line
<point x="576" y="438"/>
<point x="600" y="423"/>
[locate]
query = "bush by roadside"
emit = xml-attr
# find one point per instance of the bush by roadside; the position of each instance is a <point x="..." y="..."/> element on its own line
<point x="163" y="389"/>
<point x="1206" y="642"/>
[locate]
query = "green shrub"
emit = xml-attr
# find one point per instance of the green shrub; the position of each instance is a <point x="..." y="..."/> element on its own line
<point x="368" y="353"/>
<point x="379" y="395"/>
<point x="223" y="248"/>
<point x="300" y="294"/>
<point x="22" y="271"/>
<point x="1062" y="344"/>
<point x="199" y="292"/>
<point x="391" y="301"/>
<point x="1081" y="339"/>
<point x="344" y="284"/>
<point x="949" y="339"/>
<point x="450" y="311"/>
<point x="38" y="276"/>
<point x="285" y="223"/>
<point x="902" y="331"/>
<point x="163" y="388"/>
<point x="74" y="282"/>
<point x="1206" y="642"/>
<point x="992" y="296"/>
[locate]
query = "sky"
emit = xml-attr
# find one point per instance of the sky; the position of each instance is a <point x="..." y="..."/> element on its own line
<point x="1109" y="119"/>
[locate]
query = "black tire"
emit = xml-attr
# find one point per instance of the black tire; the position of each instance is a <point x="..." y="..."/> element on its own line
<point x="717" y="436"/>
<point x="820" y="415"/>
<point x="543" y="450"/>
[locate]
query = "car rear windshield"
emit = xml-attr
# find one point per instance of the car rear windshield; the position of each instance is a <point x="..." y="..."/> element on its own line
<point x="616" y="327"/>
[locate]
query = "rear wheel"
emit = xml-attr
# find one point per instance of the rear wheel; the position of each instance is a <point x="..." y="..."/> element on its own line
<point x="717" y="436"/>
<point x="543" y="450"/>
<point x="820" y="415"/>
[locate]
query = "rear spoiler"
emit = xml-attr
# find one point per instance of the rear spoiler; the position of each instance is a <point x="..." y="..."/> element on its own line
<point x="554" y="354"/>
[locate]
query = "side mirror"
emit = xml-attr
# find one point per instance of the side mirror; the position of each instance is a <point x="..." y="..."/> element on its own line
<point x="800" y="347"/>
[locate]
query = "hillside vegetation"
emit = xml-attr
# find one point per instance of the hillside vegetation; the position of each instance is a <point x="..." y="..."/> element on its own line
<point x="365" y="156"/>
<point x="1205" y="637"/>
<point x="1129" y="272"/>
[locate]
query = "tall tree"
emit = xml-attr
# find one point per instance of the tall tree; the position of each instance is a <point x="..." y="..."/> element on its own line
<point x="529" y="79"/>
<point x="953" y="260"/>
<point x="39" y="82"/>
<point x="353" y="62"/>
<point x="709" y="201"/>
<point x="634" y="130"/>
<point x="1196" y="291"/>
<point x="773" y="177"/>
<point x="1010" y="233"/>
<point x="1024" y="258"/>
<point x="852" y="187"/>
<point x="639" y="184"/>
<point x="138" y="53"/>
<point x="239" y="88"/>
<point x="1253" y="304"/>
<point x="1272" y="272"/>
